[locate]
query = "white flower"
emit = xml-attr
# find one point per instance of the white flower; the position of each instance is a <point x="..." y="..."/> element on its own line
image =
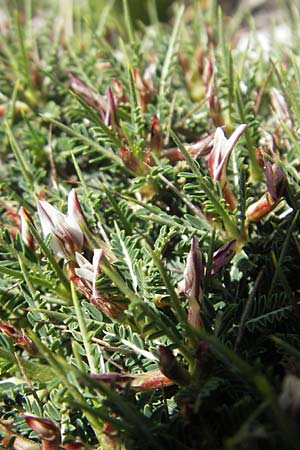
<point x="219" y="156"/>
<point x="88" y="272"/>
<point x="65" y="230"/>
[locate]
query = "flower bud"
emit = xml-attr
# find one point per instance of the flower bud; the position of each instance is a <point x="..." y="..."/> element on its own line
<point x="46" y="429"/>
<point x="170" y="367"/>
<point x="193" y="282"/>
<point x="129" y="160"/>
<point x="260" y="208"/>
<point x="144" y="89"/>
<point x="156" y="140"/>
<point x="118" y="91"/>
<point x="275" y="180"/>
<point x="19" y="338"/>
<point x="25" y="221"/>
<point x="85" y="92"/>
<point x="19" y="442"/>
<point x="222" y="255"/>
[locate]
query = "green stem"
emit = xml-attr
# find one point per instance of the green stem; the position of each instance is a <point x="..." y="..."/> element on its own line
<point x="61" y="368"/>
<point x="20" y="276"/>
<point x="27" y="279"/>
<point x="92" y="143"/>
<point x="83" y="329"/>
<point x="26" y="172"/>
<point x="255" y="170"/>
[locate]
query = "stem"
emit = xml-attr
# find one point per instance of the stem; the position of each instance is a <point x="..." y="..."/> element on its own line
<point x="26" y="172"/>
<point x="60" y="369"/>
<point x="90" y="142"/>
<point x="20" y="276"/>
<point x="27" y="279"/>
<point x="83" y="329"/>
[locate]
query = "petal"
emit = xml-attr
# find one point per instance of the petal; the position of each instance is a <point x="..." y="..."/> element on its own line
<point x="98" y="254"/>
<point x="58" y="247"/>
<point x="77" y="236"/>
<point x="219" y="145"/>
<point x="82" y="261"/>
<point x="75" y="214"/>
<point x="226" y="152"/>
<point x="26" y="235"/>
<point x="85" y="274"/>
<point x="45" y="428"/>
<point x="49" y="216"/>
<point x="75" y="219"/>
<point x="194" y="273"/>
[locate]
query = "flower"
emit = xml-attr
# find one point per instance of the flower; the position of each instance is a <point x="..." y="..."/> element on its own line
<point x="171" y="368"/>
<point x="275" y="180"/>
<point x="19" y="338"/>
<point x="222" y="148"/>
<point x="25" y="221"/>
<point x="46" y="429"/>
<point x="86" y="281"/>
<point x="65" y="230"/>
<point x="153" y="379"/>
<point x="193" y="282"/>
<point x="222" y="255"/>
<point x="156" y="138"/>
<point x="88" y="272"/>
<point x="144" y="89"/>
<point x="218" y="160"/>
<point x="105" y="106"/>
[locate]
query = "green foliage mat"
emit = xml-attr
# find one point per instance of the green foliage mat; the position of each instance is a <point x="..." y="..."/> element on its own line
<point x="182" y="329"/>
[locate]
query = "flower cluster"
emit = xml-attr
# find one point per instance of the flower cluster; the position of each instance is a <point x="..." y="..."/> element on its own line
<point x="68" y="240"/>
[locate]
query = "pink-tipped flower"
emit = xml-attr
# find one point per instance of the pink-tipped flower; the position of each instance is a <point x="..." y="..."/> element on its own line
<point x="86" y="281"/>
<point x="25" y="221"/>
<point x="275" y="180"/>
<point x="144" y="89"/>
<point x="129" y="160"/>
<point x="222" y="255"/>
<point x="15" y="441"/>
<point x="118" y="91"/>
<point x="156" y="138"/>
<point x="219" y="157"/>
<point x="88" y="272"/>
<point x="259" y="209"/>
<point x="222" y="149"/>
<point x="65" y="230"/>
<point x="85" y="92"/>
<point x="105" y="106"/>
<point x="171" y="368"/>
<point x="46" y="429"/>
<point x="153" y="379"/>
<point x="19" y="338"/>
<point x="209" y="80"/>
<point x="193" y="282"/>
